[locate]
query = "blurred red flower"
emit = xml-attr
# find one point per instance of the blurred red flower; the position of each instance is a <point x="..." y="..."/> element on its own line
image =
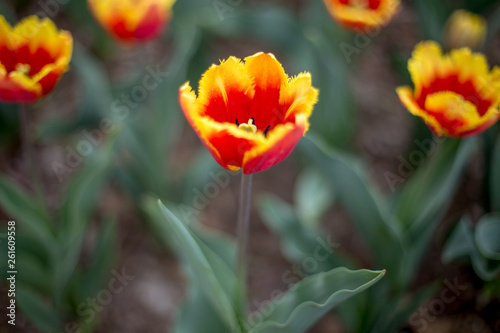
<point x="456" y="94"/>
<point x="132" y="21"/>
<point x="363" y="13"/>
<point x="33" y="56"/>
<point x="249" y="114"/>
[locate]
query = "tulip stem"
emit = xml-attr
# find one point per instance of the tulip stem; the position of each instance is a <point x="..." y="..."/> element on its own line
<point x="30" y="160"/>
<point x="243" y="229"/>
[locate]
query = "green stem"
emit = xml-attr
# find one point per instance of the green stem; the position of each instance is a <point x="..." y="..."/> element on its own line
<point x="32" y="168"/>
<point x="243" y="228"/>
<point x="488" y="157"/>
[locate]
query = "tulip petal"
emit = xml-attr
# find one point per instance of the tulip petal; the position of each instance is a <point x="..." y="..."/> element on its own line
<point x="426" y="64"/>
<point x="298" y="96"/>
<point x="16" y="87"/>
<point x="268" y="78"/>
<point x="225" y="92"/>
<point x="457" y="116"/>
<point x="228" y="142"/>
<point x="225" y="142"/>
<point x="277" y="146"/>
<point x="408" y="100"/>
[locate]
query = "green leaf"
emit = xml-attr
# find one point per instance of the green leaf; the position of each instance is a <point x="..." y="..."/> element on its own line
<point x="19" y="205"/>
<point x="32" y="272"/>
<point x="307" y="301"/>
<point x="215" y="278"/>
<point x="81" y="192"/>
<point x="267" y="22"/>
<point x="395" y="313"/>
<point x="197" y="314"/>
<point x="221" y="244"/>
<point x="79" y="199"/>
<point x="462" y="243"/>
<point x="495" y="175"/>
<point x="425" y="198"/>
<point x="37" y="311"/>
<point x="312" y="197"/>
<point x="103" y="256"/>
<point x="493" y="26"/>
<point x="429" y="191"/>
<point x="365" y="205"/>
<point x="487" y="236"/>
<point x="96" y="97"/>
<point x="334" y="117"/>
<point x="297" y="241"/>
<point x="433" y="16"/>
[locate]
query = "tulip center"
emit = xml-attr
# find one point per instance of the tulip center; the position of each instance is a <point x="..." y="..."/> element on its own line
<point x="23" y="68"/>
<point x="363" y="4"/>
<point x="247" y="127"/>
<point x="250" y="126"/>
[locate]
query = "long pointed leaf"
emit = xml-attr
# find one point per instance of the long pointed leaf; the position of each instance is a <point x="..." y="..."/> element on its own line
<point x="19" y="205"/>
<point x="364" y="204"/>
<point x="307" y="301"/>
<point x="210" y="272"/>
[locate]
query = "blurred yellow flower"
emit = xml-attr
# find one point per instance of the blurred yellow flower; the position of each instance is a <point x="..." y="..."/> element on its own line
<point x="363" y="14"/>
<point x="465" y="29"/>
<point x="455" y="94"/>
<point x="132" y="21"/>
<point x="33" y="56"/>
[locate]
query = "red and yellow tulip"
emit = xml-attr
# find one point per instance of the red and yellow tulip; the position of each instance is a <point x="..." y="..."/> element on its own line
<point x="249" y="114"/>
<point x="132" y="21"/>
<point x="455" y="94"/>
<point x="33" y="56"/>
<point x="363" y="14"/>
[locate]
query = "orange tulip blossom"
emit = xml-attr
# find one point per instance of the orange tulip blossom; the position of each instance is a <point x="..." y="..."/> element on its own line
<point x="363" y="14"/>
<point x="33" y="56"/>
<point x="455" y="94"/>
<point x="132" y="21"/>
<point x="249" y="114"/>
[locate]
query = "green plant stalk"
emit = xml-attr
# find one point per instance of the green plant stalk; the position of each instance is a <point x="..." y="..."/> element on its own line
<point x="488" y="149"/>
<point x="30" y="160"/>
<point x="243" y="225"/>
